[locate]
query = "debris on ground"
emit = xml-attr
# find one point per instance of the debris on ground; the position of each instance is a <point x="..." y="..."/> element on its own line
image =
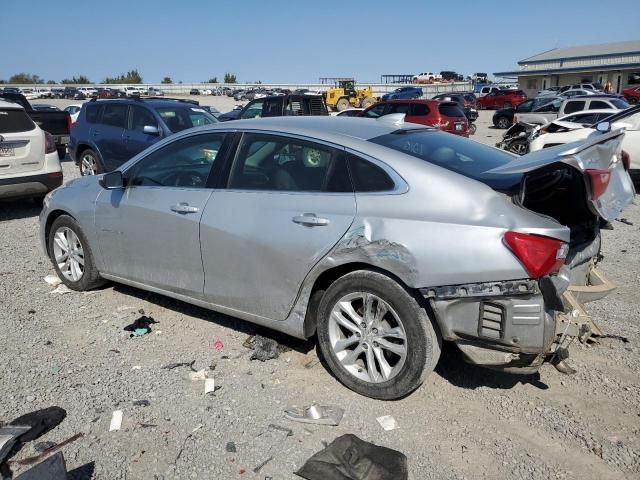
<point x="262" y="464"/>
<point x="42" y="446"/>
<point x="317" y="414"/>
<point x="230" y="447"/>
<point x="172" y="366"/>
<point x="61" y="289"/>
<point x="217" y="344"/>
<point x="263" y="348"/>
<point x="312" y="363"/>
<point x="624" y="220"/>
<point x="350" y="458"/>
<point x="141" y="403"/>
<point x="48" y="451"/>
<point x="9" y="436"/>
<point x="141" y="326"/>
<point x="116" y="421"/>
<point x="40" y="422"/>
<point x="209" y="385"/>
<point x="52" y="280"/>
<point x="53" y="468"/>
<point x="185" y="443"/>
<point x="387" y="422"/>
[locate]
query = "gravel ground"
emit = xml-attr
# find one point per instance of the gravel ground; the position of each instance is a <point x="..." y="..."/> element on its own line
<point x="70" y="350"/>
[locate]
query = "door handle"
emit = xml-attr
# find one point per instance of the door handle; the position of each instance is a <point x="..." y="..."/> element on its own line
<point x="95" y="133"/>
<point x="310" y="220"/>
<point x="184" y="208"/>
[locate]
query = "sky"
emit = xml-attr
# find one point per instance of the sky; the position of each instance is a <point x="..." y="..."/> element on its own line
<point x="295" y="41"/>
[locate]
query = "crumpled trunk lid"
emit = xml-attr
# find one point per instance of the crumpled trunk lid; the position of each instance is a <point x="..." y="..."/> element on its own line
<point x="602" y="152"/>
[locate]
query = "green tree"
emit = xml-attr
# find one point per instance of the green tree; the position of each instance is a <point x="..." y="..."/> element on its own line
<point x="212" y="80"/>
<point x="230" y="78"/>
<point x="80" y="80"/>
<point x="51" y="82"/>
<point x="167" y="80"/>
<point x="132" y="76"/>
<point x="25" y="78"/>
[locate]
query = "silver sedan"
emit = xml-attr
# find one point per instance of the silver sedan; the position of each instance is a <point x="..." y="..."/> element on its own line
<point x="380" y="238"/>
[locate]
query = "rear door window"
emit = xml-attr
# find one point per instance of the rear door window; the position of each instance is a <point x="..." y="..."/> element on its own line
<point x="93" y="111"/>
<point x="114" y="115"/>
<point x="399" y="108"/>
<point x="13" y="121"/>
<point x="419" y="110"/>
<point x="368" y="177"/>
<point x="575" y="106"/>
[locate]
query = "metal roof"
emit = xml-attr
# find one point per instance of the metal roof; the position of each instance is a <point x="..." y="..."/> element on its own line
<point x="551" y="71"/>
<point x="602" y="49"/>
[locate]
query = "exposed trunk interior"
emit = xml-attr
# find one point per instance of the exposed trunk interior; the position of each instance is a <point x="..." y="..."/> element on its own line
<point x="558" y="191"/>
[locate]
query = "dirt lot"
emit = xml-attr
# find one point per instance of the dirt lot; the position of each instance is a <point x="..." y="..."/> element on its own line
<point x="70" y="350"/>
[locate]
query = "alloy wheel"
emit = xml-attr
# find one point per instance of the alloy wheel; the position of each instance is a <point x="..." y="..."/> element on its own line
<point x="367" y="337"/>
<point x="88" y="165"/>
<point x="68" y="254"/>
<point x="519" y="148"/>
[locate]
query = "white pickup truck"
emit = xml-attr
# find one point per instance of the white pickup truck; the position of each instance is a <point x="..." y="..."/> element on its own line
<point x="558" y="108"/>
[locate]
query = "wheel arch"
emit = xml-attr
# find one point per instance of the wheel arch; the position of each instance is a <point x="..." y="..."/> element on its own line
<point x="53" y="215"/>
<point x="87" y="146"/>
<point x="329" y="276"/>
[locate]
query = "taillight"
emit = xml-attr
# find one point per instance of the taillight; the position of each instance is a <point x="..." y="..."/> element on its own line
<point x="539" y="255"/>
<point x="626" y="160"/>
<point x="599" y="182"/>
<point x="49" y="143"/>
<point x="69" y="122"/>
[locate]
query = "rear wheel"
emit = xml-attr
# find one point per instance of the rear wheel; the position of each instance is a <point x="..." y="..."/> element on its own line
<point x="342" y="104"/>
<point x="71" y="255"/>
<point x="89" y="163"/>
<point x="375" y="336"/>
<point x="472" y="128"/>
<point x="503" y="122"/>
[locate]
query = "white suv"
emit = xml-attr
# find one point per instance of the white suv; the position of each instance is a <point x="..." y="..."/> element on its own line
<point x="29" y="162"/>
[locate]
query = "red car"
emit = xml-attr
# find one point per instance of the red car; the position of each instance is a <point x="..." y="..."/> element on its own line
<point x="446" y="116"/>
<point x="501" y="99"/>
<point x="632" y="94"/>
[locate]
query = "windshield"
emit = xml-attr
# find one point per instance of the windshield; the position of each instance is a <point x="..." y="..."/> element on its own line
<point x="454" y="153"/>
<point x="180" y="118"/>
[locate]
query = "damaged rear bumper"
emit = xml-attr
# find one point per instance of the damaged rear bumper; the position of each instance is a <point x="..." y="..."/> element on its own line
<point x="514" y="326"/>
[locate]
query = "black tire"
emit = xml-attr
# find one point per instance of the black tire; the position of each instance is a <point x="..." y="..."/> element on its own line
<point x="632" y="100"/>
<point x="86" y="155"/>
<point x="367" y="102"/>
<point x="472" y="128"/>
<point x="503" y="122"/>
<point x="90" y="275"/>
<point x="423" y="343"/>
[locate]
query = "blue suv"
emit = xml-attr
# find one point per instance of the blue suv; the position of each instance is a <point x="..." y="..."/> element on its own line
<point x="403" y="93"/>
<point x="110" y="132"/>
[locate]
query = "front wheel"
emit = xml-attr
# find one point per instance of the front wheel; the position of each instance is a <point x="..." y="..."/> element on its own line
<point x="472" y="128"/>
<point x="367" y="102"/>
<point x="519" y="147"/>
<point x="71" y="255"/>
<point x="375" y="336"/>
<point x="503" y="122"/>
<point x="342" y="104"/>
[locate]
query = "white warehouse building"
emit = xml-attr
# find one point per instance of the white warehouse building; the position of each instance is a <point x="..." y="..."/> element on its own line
<point x="617" y="62"/>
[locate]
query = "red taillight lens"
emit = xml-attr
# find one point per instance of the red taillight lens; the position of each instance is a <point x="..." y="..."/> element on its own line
<point x="599" y="182"/>
<point x="49" y="143"/>
<point x="69" y="122"/>
<point x="626" y="160"/>
<point x="539" y="255"/>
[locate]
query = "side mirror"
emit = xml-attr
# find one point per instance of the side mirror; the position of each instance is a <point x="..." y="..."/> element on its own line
<point x="151" y="130"/>
<point x="112" y="180"/>
<point x="603" y="127"/>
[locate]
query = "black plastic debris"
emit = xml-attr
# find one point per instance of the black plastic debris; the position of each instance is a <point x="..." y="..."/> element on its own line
<point x="141" y="403"/>
<point x="141" y="326"/>
<point x="350" y="458"/>
<point x="263" y="348"/>
<point x="231" y="447"/>
<point x="42" y="446"/>
<point x="172" y="366"/>
<point x="53" y="468"/>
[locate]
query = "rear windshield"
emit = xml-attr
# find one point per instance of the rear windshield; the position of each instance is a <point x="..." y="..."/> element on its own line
<point x="454" y="153"/>
<point x="450" y="110"/>
<point x="180" y="118"/>
<point x="14" y="120"/>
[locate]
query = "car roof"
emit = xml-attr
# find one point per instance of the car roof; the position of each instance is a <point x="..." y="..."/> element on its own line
<point x="325" y="128"/>
<point x="595" y="110"/>
<point x="154" y="102"/>
<point x="410" y="100"/>
<point x="15" y="106"/>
